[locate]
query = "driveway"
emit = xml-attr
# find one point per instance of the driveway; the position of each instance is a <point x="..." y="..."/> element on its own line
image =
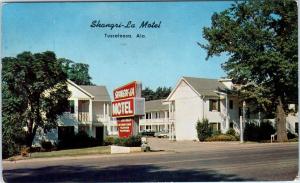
<point x="159" y="144"/>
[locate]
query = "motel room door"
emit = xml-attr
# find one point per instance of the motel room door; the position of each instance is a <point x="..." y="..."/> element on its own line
<point x="99" y="133"/>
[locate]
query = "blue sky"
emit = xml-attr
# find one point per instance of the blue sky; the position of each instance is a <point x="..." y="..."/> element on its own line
<point x="160" y="59"/>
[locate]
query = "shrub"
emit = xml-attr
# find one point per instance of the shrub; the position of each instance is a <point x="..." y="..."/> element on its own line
<point x="290" y="135"/>
<point x="47" y="145"/>
<point x="293" y="140"/>
<point x="79" y="140"/>
<point x="132" y="141"/>
<point x="217" y="132"/>
<point x="231" y="131"/>
<point x="9" y="149"/>
<point x="251" y="132"/>
<point x="266" y="130"/>
<point x="203" y="129"/>
<point x="25" y="151"/>
<point x="120" y="141"/>
<point x="13" y="137"/>
<point x="221" y="137"/>
<point x="109" y="140"/>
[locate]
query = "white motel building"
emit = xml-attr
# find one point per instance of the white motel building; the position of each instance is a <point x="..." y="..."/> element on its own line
<point x="192" y="99"/>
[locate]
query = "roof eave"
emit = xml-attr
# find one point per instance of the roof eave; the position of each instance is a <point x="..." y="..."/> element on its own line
<point x="81" y="89"/>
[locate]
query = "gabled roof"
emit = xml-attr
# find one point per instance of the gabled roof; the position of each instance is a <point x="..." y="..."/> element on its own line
<point x="79" y="88"/>
<point x="155" y="105"/>
<point x="204" y="86"/>
<point x="100" y="93"/>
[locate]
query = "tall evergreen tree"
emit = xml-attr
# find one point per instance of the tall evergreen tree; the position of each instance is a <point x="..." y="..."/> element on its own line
<point x="159" y="93"/>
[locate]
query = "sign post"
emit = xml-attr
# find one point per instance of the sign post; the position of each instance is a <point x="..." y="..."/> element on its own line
<point x="128" y="107"/>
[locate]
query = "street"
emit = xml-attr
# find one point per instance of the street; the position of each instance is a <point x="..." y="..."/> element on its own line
<point x="202" y="162"/>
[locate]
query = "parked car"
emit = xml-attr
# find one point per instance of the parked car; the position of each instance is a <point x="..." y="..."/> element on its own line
<point x="161" y="134"/>
<point x="148" y="133"/>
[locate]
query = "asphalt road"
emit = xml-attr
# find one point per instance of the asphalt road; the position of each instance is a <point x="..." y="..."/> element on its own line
<point x="232" y="162"/>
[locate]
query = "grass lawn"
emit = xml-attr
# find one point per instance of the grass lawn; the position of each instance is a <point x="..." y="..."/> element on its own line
<point x="73" y="152"/>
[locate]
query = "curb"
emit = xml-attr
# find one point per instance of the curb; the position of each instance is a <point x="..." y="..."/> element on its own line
<point x="84" y="157"/>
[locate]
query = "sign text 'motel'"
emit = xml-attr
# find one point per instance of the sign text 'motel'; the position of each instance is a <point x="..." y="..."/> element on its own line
<point x="123" y="108"/>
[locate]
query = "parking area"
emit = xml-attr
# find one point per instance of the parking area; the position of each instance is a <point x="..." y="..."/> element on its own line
<point x="158" y="144"/>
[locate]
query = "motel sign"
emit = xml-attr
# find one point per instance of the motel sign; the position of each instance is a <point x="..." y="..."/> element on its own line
<point x="127" y="108"/>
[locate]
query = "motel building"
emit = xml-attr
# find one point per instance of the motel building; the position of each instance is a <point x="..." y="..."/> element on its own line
<point x="192" y="99"/>
<point x="89" y="111"/>
<point x="156" y="118"/>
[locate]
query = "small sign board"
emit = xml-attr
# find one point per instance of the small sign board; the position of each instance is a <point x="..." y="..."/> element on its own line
<point x="125" y="127"/>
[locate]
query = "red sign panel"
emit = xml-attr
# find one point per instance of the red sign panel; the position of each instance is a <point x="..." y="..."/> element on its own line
<point x="127" y="91"/>
<point x="123" y="108"/>
<point x="125" y="127"/>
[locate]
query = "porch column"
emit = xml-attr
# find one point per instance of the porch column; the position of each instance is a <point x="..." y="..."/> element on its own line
<point x="90" y="110"/>
<point x="91" y="130"/>
<point x="170" y="129"/>
<point x="172" y="110"/>
<point x="76" y="108"/>
<point x="107" y="110"/>
<point x="169" y="110"/>
<point x="166" y="115"/>
<point x="104" y="106"/>
<point x="227" y="115"/>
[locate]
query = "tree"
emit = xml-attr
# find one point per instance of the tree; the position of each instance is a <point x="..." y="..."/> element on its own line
<point x="12" y="123"/>
<point x="260" y="38"/>
<point x="147" y="93"/>
<point x="76" y="72"/>
<point x="35" y="93"/>
<point x="160" y="93"/>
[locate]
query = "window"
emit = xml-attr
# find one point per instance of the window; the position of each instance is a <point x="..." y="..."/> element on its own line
<point x="230" y="104"/>
<point x="231" y="125"/>
<point x="71" y="106"/>
<point x="296" y="128"/>
<point x="215" y="126"/>
<point x="147" y="116"/>
<point x="214" y="105"/>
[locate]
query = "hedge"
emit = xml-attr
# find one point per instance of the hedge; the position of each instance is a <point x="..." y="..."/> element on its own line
<point x="221" y="137"/>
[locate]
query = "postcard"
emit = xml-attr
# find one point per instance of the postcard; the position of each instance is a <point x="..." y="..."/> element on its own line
<point x="147" y="91"/>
